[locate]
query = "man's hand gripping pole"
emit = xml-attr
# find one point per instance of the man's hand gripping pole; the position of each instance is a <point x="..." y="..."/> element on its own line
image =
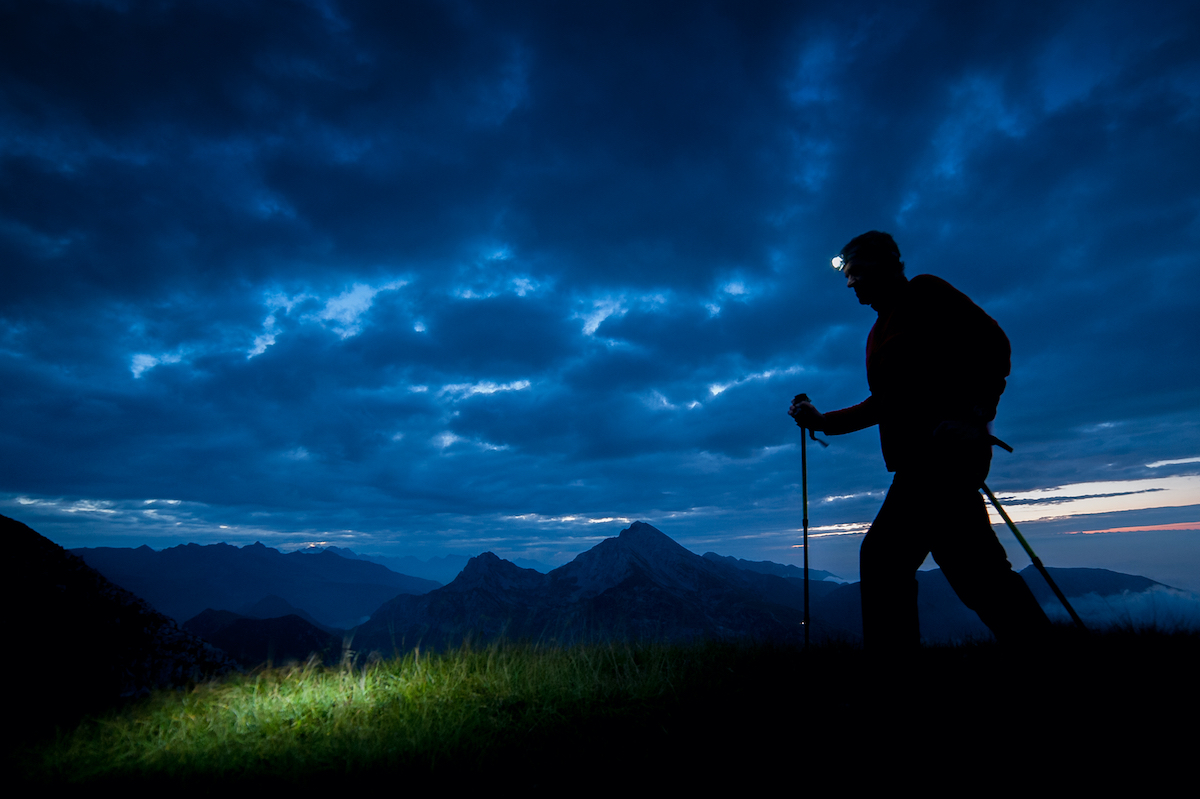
<point x="811" y="432"/>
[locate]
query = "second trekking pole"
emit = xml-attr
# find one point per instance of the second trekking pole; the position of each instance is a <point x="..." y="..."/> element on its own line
<point x="1032" y="556"/>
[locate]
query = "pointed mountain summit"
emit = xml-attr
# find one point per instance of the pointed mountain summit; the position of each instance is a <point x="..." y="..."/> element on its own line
<point x="640" y="549"/>
<point x="488" y="572"/>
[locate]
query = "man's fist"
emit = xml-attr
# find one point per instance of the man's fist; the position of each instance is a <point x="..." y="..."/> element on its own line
<point x="806" y="414"/>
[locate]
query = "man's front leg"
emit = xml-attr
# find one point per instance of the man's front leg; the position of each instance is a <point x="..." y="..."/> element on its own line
<point x="888" y="560"/>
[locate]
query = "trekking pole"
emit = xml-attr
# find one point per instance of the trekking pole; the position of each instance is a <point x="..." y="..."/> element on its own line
<point x="804" y="497"/>
<point x="1036" y="560"/>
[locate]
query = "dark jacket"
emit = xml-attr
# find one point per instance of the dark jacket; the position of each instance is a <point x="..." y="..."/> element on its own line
<point x="936" y="366"/>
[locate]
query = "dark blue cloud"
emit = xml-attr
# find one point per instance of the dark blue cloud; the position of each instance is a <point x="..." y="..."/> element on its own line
<point x="465" y="276"/>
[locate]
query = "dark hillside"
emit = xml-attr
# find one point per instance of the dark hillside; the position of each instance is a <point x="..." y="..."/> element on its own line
<point x="273" y="607"/>
<point x="89" y="642"/>
<point x="1078" y="582"/>
<point x="253" y="642"/>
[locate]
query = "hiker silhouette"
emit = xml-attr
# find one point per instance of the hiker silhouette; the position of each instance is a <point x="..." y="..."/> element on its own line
<point x="936" y="367"/>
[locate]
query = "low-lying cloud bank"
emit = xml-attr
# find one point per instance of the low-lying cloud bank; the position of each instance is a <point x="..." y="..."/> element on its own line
<point x="1159" y="608"/>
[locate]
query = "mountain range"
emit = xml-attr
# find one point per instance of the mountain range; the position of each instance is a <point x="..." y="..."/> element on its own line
<point x="640" y="584"/>
<point x="184" y="580"/>
<point x="258" y="604"/>
<point x="442" y="569"/>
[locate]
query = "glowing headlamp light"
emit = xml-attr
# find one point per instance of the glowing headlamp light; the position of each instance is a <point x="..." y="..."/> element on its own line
<point x="839" y="263"/>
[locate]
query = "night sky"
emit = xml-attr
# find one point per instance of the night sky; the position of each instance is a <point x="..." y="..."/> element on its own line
<point x="433" y="277"/>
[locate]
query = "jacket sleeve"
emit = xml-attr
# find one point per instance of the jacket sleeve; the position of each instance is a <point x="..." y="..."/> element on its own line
<point x="848" y="420"/>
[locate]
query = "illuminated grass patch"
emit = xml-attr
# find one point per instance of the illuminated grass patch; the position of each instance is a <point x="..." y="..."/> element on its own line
<point x="411" y="711"/>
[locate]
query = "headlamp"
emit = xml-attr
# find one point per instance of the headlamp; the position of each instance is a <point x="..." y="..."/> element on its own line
<point x="839" y="263"/>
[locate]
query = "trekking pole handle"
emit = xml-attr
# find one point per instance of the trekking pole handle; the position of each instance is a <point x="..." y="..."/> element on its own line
<point x="811" y="433"/>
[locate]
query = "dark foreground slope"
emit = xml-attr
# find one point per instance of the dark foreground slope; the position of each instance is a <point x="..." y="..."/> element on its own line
<point x="80" y="642"/>
<point x="1114" y="711"/>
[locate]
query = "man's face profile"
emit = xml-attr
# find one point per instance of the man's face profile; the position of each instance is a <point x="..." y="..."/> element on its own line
<point x="859" y="278"/>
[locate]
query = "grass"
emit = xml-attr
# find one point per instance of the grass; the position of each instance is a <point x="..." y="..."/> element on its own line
<point x="419" y="712"/>
<point x="545" y="714"/>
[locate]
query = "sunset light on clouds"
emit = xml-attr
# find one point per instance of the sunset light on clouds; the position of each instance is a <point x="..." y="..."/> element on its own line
<point x="1105" y="497"/>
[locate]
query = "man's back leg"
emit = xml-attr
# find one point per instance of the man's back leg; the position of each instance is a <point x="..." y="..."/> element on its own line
<point x="978" y="570"/>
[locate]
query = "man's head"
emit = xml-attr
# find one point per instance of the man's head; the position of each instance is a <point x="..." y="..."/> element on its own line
<point x="872" y="266"/>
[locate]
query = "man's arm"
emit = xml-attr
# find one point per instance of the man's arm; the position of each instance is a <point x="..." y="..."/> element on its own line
<point x="835" y="423"/>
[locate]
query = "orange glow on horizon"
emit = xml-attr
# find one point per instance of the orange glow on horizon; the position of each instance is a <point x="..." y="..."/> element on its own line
<point x="1145" y="528"/>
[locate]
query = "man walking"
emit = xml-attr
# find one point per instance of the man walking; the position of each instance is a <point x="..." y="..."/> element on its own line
<point x="936" y="366"/>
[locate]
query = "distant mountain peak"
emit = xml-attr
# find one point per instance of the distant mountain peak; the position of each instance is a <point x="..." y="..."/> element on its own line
<point x="488" y="570"/>
<point x="482" y="563"/>
<point x="639" y="548"/>
<point x="650" y="541"/>
<point x="639" y="527"/>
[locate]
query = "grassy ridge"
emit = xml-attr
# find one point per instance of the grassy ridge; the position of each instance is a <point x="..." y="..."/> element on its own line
<point x="714" y="712"/>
